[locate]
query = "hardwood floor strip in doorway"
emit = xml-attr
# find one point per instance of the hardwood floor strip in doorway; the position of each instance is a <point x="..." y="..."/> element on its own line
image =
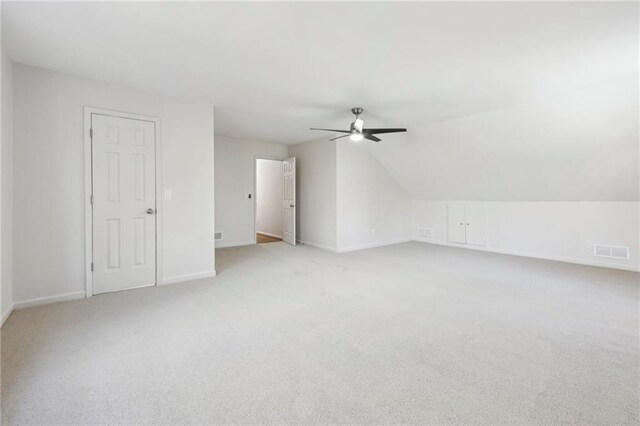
<point x="261" y="239"/>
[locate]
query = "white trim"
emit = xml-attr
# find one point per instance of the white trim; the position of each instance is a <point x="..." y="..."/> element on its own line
<point x="188" y="277"/>
<point x="88" y="208"/>
<point x="633" y="268"/>
<point x="255" y="192"/>
<point x="5" y="316"/>
<point x="320" y="246"/>
<point x="49" y="299"/>
<point x="372" y="245"/>
<point x="88" y="212"/>
<point x="266" y="234"/>
<point x="221" y="245"/>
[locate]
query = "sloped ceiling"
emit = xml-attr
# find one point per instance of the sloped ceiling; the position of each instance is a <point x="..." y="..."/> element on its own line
<point x="503" y="100"/>
<point x="579" y="145"/>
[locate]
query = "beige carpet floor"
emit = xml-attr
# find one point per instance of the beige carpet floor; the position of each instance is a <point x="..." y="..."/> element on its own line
<point x="411" y="334"/>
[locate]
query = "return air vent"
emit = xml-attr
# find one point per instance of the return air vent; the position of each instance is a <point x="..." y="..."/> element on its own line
<point x="217" y="236"/>
<point x="613" y="252"/>
<point x="425" y="232"/>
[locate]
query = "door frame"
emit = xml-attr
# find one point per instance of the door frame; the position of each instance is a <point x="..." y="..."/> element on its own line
<point x="255" y="190"/>
<point x="88" y="180"/>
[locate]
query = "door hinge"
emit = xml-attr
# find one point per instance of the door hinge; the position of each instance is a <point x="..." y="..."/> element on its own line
<point x="91" y="266"/>
<point x="91" y="199"/>
<point x="91" y="133"/>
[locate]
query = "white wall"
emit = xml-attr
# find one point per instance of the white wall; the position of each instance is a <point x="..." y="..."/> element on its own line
<point x="316" y="192"/>
<point x="49" y="188"/>
<point x="6" y="189"/>
<point x="234" y="180"/>
<point x="269" y="197"/>
<point x="549" y="230"/>
<point x="566" y="145"/>
<point x="373" y="210"/>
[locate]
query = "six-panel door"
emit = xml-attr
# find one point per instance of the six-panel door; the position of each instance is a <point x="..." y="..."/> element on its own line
<point x="124" y="203"/>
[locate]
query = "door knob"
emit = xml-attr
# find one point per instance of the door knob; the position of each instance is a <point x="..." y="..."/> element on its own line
<point x="291" y="205"/>
<point x="150" y="211"/>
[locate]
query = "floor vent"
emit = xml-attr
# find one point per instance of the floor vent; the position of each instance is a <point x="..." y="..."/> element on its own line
<point x="613" y="252"/>
<point x="217" y="236"/>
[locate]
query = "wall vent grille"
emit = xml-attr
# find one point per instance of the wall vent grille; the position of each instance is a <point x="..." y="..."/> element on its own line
<point x="613" y="252"/>
<point x="217" y="236"/>
<point x="425" y="232"/>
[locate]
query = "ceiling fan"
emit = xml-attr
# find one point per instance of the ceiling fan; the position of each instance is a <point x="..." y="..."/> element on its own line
<point x="358" y="132"/>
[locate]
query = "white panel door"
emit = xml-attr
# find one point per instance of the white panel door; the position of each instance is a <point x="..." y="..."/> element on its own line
<point x="289" y="202"/>
<point x="124" y="203"/>
<point x="456" y="223"/>
<point x="475" y="224"/>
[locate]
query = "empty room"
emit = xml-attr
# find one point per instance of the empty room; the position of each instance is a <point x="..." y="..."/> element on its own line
<point x="323" y="213"/>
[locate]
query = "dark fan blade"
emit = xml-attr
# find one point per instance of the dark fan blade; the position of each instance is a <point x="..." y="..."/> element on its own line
<point x="378" y="131"/>
<point x="340" y="137"/>
<point x="332" y="130"/>
<point x="372" y="138"/>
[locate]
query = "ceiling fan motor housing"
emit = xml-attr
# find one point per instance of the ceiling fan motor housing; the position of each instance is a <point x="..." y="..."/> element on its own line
<point x="357" y="126"/>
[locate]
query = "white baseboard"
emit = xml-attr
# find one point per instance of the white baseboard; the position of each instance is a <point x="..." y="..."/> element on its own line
<point x="354" y="248"/>
<point x="6" y="315"/>
<point x="372" y="245"/>
<point x="327" y="248"/>
<point x="188" y="277"/>
<point x="81" y="294"/>
<point x="268" y="234"/>
<point x="49" y="299"/>
<point x="531" y="255"/>
<point x="232" y="244"/>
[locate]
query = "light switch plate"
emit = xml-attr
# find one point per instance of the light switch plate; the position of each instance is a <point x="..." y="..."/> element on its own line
<point x="168" y="194"/>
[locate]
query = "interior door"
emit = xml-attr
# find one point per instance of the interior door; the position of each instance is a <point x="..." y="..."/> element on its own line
<point x="124" y="203"/>
<point x="456" y="223"/>
<point x="475" y="224"/>
<point x="289" y="202"/>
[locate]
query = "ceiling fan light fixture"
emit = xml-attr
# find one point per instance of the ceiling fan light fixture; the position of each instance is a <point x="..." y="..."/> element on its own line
<point x="357" y="132"/>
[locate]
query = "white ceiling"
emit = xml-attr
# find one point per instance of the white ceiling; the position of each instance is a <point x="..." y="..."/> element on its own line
<point x="471" y="81"/>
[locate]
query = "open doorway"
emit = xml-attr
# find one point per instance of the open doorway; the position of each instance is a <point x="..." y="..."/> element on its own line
<point x="269" y="196"/>
<point x="275" y="200"/>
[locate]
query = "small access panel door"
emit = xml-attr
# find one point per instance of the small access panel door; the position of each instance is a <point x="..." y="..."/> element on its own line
<point x="456" y="223"/>
<point x="475" y="223"/>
